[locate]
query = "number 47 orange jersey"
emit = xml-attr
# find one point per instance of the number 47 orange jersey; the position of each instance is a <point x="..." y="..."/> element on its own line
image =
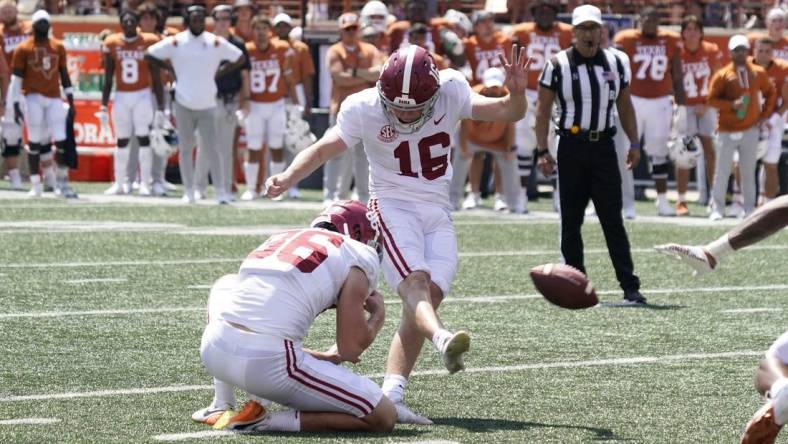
<point x="131" y="69"/>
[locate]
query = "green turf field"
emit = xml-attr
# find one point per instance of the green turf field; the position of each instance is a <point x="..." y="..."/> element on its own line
<point x="103" y="308"/>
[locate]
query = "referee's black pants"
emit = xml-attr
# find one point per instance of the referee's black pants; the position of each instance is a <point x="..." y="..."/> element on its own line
<point x="589" y="170"/>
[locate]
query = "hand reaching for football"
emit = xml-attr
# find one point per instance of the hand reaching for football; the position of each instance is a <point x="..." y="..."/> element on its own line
<point x="516" y="69"/>
<point x="276" y="185"/>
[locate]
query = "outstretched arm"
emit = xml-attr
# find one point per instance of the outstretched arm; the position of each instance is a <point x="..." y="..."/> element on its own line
<point x="307" y="161"/>
<point x="511" y="107"/>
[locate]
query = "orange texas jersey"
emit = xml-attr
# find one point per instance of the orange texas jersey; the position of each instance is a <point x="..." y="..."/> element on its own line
<point x="483" y="55"/>
<point x="541" y="46"/>
<point x="269" y="68"/>
<point x="780" y="46"/>
<point x="131" y="69"/>
<point x="40" y="64"/>
<point x="697" y="68"/>
<point x="649" y="59"/>
<point x="13" y="37"/>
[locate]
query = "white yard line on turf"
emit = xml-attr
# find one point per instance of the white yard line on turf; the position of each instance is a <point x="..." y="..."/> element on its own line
<point x="194" y="435"/>
<point x="636" y="360"/>
<point x="751" y="310"/>
<point x="394" y="301"/>
<point x="238" y="260"/>
<point x="94" y="281"/>
<point x="29" y="421"/>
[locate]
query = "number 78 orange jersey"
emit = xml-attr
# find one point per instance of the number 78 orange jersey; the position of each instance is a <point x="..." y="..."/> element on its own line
<point x="131" y="69"/>
<point x="649" y="59"/>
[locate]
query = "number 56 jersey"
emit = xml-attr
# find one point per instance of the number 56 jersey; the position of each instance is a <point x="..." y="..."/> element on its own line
<point x="411" y="167"/>
<point x="293" y="277"/>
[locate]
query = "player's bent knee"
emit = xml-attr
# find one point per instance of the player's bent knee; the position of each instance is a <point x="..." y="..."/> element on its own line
<point x="123" y="143"/>
<point x="383" y="417"/>
<point x="143" y="140"/>
<point x="11" y="150"/>
<point x="764" y="377"/>
<point x="277" y="154"/>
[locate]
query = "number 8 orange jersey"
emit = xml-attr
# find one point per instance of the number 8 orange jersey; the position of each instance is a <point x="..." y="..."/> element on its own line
<point x="541" y="46"/>
<point x="131" y="69"/>
<point x="650" y="60"/>
<point x="269" y="68"/>
<point x="697" y="68"/>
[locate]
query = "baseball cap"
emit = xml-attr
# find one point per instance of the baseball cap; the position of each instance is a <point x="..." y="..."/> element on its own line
<point x="479" y="16"/>
<point x="242" y="3"/>
<point x="586" y="13"/>
<point x="282" y="18"/>
<point x="493" y="77"/>
<point x="347" y="20"/>
<point x="775" y="13"/>
<point x="41" y="15"/>
<point x="737" y="41"/>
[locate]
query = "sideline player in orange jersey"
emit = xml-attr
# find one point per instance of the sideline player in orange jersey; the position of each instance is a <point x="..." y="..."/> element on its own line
<point x="132" y="111"/>
<point x="13" y="33"/>
<point x="656" y="73"/>
<point x="775" y="29"/>
<point x="542" y="39"/>
<point x="699" y="60"/>
<point x="39" y="68"/>
<point x="270" y="79"/>
<point x="777" y="69"/>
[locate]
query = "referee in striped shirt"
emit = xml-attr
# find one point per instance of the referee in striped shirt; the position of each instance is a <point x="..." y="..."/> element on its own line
<point x="585" y="82"/>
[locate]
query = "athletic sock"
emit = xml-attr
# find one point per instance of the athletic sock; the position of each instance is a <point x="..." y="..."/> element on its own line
<point x="250" y="174"/>
<point x="286" y="421"/>
<point x="441" y="338"/>
<point x="394" y="387"/>
<point x="223" y="394"/>
<point x="662" y="198"/>
<point x="682" y="197"/>
<point x="780" y="398"/>
<point x="277" y="167"/>
<point x="720" y="247"/>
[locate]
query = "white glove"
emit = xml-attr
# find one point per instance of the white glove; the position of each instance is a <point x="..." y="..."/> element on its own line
<point x="158" y="119"/>
<point x="240" y="115"/>
<point x="103" y="116"/>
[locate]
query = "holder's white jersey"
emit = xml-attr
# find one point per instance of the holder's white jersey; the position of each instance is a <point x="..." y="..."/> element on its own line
<point x="407" y="166"/>
<point x="293" y="277"/>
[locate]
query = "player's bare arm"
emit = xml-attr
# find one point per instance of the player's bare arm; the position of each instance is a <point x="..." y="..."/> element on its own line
<point x="15" y="94"/>
<point x="5" y="76"/>
<point x="784" y="94"/>
<point x="158" y="86"/>
<point x="626" y="113"/>
<point x="354" y="332"/>
<point x="109" y="73"/>
<point x="227" y="68"/>
<point x="307" y="161"/>
<point x="344" y="76"/>
<point x="158" y="63"/>
<point x="544" y="108"/>
<point x="65" y="82"/>
<point x="511" y="107"/>
<point x="678" y="80"/>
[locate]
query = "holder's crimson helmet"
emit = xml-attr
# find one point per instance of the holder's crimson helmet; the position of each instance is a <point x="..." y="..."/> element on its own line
<point x="350" y="218"/>
<point x="409" y="81"/>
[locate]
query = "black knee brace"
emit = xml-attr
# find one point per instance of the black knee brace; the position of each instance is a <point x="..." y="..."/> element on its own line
<point x="60" y="152"/>
<point x="143" y="140"/>
<point x="660" y="170"/>
<point x="33" y="158"/>
<point x="12" y="150"/>
<point x="123" y="143"/>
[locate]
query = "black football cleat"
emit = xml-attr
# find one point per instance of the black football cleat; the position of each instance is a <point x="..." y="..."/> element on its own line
<point x="634" y="297"/>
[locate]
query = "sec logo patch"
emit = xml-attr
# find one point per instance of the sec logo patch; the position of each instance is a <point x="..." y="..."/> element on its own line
<point x="387" y="134"/>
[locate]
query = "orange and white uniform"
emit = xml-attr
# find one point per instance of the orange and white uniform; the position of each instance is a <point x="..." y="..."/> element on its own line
<point x="540" y="46"/>
<point x="650" y="60"/>
<point x="11" y="38"/>
<point x="780" y="46"/>
<point x="267" y="87"/>
<point x="132" y="106"/>
<point x="302" y="67"/>
<point x="777" y="71"/>
<point x="483" y="55"/>
<point x="40" y="65"/>
<point x="398" y="35"/>
<point x="697" y="68"/>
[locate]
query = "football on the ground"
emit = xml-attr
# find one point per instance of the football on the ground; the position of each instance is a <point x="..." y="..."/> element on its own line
<point x="564" y="286"/>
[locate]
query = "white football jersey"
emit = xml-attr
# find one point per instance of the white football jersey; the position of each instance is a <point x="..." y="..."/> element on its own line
<point x="293" y="277"/>
<point x="407" y="166"/>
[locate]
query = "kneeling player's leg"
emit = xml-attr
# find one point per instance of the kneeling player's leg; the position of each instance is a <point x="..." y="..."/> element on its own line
<point x="770" y="380"/>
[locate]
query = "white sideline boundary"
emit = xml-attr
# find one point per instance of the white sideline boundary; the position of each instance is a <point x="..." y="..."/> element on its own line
<point x="238" y="260"/>
<point x="394" y="301"/>
<point x="95" y="281"/>
<point x="752" y="310"/>
<point x="29" y="421"/>
<point x="636" y="360"/>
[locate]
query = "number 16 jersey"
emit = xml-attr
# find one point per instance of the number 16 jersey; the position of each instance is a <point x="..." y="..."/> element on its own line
<point x="411" y="167"/>
<point x="293" y="277"/>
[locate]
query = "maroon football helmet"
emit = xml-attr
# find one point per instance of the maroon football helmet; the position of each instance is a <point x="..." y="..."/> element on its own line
<point x="409" y="81"/>
<point x="349" y="217"/>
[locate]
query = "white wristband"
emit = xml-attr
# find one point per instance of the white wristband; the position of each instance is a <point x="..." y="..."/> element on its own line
<point x="69" y="90"/>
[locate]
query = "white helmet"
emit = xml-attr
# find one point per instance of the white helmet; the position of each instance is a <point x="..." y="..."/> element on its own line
<point x="379" y="11"/>
<point x="164" y="140"/>
<point x="297" y="134"/>
<point x="458" y="18"/>
<point x="684" y="151"/>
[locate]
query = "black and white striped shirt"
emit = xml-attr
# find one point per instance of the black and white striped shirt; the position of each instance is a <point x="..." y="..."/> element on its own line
<point x="586" y="88"/>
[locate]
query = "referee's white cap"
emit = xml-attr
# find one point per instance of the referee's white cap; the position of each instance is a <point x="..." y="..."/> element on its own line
<point x="586" y="13"/>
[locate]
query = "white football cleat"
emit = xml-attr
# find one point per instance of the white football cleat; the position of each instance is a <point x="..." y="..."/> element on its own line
<point x="629" y="213"/>
<point x="158" y="189"/>
<point x="715" y="216"/>
<point x="453" y="350"/>
<point x="472" y="201"/>
<point x="188" y="197"/>
<point x="695" y="257"/>
<point x="665" y="209"/>
<point x="407" y="416"/>
<point x="209" y="415"/>
<point x="144" y="190"/>
<point x="248" y="195"/>
<point x="114" y="189"/>
<point x="35" y="190"/>
<point x="500" y="204"/>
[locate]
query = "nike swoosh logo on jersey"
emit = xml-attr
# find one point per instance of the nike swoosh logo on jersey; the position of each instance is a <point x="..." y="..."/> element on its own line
<point x="439" y="120"/>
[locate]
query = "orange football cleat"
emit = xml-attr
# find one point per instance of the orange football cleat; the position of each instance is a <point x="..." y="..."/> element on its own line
<point x="251" y="413"/>
<point x="762" y="429"/>
<point x="681" y="209"/>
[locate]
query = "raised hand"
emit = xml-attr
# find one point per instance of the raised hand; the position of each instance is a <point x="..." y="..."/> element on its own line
<point x="516" y="71"/>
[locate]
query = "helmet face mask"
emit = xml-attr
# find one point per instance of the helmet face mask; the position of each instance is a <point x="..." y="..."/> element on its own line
<point x="409" y="81"/>
<point x="684" y="151"/>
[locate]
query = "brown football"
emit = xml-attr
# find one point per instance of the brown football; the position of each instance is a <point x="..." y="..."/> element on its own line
<point x="564" y="286"/>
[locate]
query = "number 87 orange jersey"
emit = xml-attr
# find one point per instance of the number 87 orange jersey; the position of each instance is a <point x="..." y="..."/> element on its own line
<point x="131" y="69"/>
